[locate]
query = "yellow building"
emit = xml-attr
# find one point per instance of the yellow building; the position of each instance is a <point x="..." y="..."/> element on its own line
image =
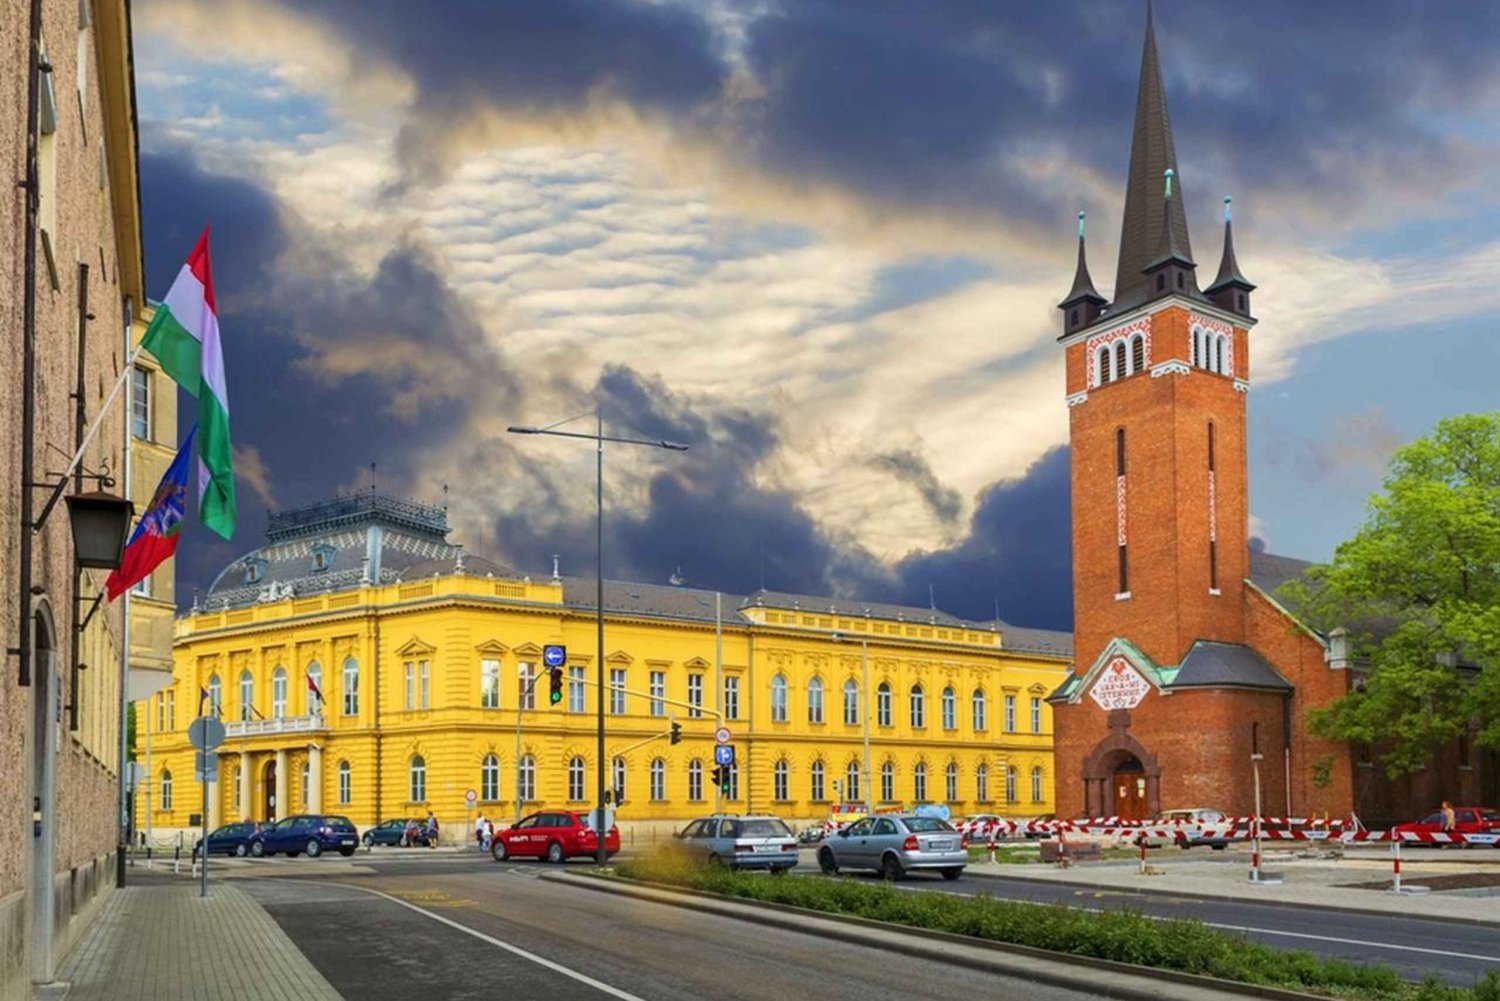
<point x="428" y="661"/>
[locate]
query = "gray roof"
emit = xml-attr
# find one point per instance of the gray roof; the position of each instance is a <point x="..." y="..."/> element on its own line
<point x="1215" y="665"/>
<point x="650" y="600"/>
<point x="1269" y="572"/>
<point x="1047" y="641"/>
<point x="856" y="609"/>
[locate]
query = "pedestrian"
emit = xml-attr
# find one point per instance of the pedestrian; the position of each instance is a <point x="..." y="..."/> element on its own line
<point x="409" y="833"/>
<point x="1450" y="822"/>
<point x="432" y="830"/>
<point x="489" y="835"/>
<point x="479" y="832"/>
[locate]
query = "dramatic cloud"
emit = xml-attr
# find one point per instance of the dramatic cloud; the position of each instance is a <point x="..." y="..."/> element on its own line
<point x="910" y="468"/>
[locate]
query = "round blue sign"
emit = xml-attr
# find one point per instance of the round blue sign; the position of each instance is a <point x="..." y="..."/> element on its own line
<point x="554" y="655"/>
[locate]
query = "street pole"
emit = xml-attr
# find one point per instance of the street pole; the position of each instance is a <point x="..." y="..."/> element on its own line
<point x="864" y="656"/>
<point x="601" y="855"/>
<point x="203" y="861"/>
<point x="530" y="687"/>
<point x="122" y="845"/>
<point x="1255" y="823"/>
<point x="719" y="682"/>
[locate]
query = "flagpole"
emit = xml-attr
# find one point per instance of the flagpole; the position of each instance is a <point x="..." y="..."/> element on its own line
<point x="122" y="845"/>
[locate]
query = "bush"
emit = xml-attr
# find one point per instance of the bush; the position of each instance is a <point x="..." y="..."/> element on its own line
<point x="1121" y="936"/>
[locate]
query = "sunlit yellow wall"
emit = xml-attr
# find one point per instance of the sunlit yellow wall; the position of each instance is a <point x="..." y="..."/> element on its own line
<point x="455" y="623"/>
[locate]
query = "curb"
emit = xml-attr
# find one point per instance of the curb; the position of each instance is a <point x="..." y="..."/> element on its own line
<point x="1222" y="899"/>
<point x="700" y="900"/>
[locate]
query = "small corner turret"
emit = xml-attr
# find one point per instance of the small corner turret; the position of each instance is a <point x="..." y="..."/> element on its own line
<point x="1231" y="289"/>
<point x="1083" y="303"/>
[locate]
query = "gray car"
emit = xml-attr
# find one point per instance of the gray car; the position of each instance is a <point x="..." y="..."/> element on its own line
<point x="741" y="842"/>
<point x="895" y="845"/>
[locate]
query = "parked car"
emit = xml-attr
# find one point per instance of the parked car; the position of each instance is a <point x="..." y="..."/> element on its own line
<point x="553" y="835"/>
<point x="1481" y="820"/>
<point x="812" y="834"/>
<point x="227" y="840"/>
<point x="741" y="842"/>
<point x="390" y="832"/>
<point x="1190" y="819"/>
<point x="895" y="844"/>
<point x="311" y="833"/>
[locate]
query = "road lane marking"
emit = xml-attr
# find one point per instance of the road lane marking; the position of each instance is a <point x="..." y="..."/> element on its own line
<point x="516" y="950"/>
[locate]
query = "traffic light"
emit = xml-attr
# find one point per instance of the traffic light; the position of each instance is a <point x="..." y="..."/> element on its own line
<point x="555" y="678"/>
<point x="721" y="778"/>
<point x="676" y="737"/>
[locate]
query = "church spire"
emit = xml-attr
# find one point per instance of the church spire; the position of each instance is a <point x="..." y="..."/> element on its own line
<point x="1152" y="154"/>
<point x="1230" y="290"/>
<point x="1082" y="305"/>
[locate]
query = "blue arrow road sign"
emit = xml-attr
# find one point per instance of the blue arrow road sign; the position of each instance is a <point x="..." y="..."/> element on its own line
<point x="554" y="655"/>
<point x="724" y="754"/>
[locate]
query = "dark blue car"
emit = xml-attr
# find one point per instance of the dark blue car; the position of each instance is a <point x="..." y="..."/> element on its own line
<point x="311" y="833"/>
<point x="394" y="832"/>
<point x="227" y="840"/>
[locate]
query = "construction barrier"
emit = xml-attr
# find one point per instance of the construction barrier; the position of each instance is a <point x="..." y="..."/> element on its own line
<point x="1237" y="829"/>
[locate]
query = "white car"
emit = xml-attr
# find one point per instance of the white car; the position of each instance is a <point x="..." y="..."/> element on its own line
<point x="1191" y="820"/>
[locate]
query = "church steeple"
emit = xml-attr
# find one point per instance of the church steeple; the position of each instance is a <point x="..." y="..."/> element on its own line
<point x="1082" y="305"/>
<point x="1152" y="154"/>
<point x="1230" y="290"/>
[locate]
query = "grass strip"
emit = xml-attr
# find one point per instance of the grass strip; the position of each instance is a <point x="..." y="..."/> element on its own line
<point x="1122" y="936"/>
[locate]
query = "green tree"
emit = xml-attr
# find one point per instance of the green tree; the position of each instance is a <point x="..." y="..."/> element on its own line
<point x="1418" y="588"/>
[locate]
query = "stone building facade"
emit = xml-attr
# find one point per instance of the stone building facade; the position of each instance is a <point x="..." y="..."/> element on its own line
<point x="58" y="793"/>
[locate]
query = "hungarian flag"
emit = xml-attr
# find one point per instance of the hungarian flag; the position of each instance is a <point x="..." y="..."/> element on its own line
<point x="155" y="537"/>
<point x="184" y="337"/>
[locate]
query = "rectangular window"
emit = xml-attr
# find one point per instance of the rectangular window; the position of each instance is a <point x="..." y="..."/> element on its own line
<point x="1036" y="715"/>
<point x="575" y="690"/>
<point x="658" y="692"/>
<point x="695" y="696"/>
<point x="817" y="782"/>
<point x="1210" y="446"/>
<point x="171" y="711"/>
<point x="142" y="587"/>
<point x="411" y="685"/>
<point x="1036" y="785"/>
<point x="1119" y="451"/>
<point x="351" y="688"/>
<point x="1124" y="587"/>
<point x="695" y="781"/>
<point x="734" y="782"/>
<point x="526" y="685"/>
<point x="1213" y="564"/>
<point x="1010" y="714"/>
<point x="732" y="701"/>
<point x="489" y="684"/>
<point x="140" y="403"/>
<point x="617" y="691"/>
<point x="426" y="684"/>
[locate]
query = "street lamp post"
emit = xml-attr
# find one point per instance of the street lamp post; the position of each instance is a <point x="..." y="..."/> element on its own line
<point x="599" y="438"/>
<point x="864" y="663"/>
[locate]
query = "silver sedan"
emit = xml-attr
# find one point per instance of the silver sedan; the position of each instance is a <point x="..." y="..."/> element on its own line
<point x="894" y="845"/>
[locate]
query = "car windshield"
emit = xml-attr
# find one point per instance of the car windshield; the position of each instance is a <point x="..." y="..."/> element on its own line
<point x="338" y="823"/>
<point x="1489" y="814"/>
<point x="925" y="824"/>
<point x="763" y="829"/>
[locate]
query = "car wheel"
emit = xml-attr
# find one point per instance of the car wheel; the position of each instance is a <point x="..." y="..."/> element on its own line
<point x="555" y="853"/>
<point x="314" y="849"/>
<point x="777" y="870"/>
<point x="1218" y="847"/>
<point x="258" y="849"/>
<point x="715" y="861"/>
<point x="952" y="872"/>
<point x="827" y="862"/>
<point x="369" y="840"/>
<point x="241" y="850"/>
<point x="890" y="868"/>
<point x="498" y="852"/>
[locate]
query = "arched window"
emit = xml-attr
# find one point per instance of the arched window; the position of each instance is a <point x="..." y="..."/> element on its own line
<point x="278" y="693"/>
<point x="417" y="774"/>
<point x="815" y="700"/>
<point x="950" y="782"/>
<point x="1161" y="282"/>
<point x="1103" y="365"/>
<point x="306" y="780"/>
<point x="1137" y="353"/>
<point x="918" y="707"/>
<point x="215" y="701"/>
<point x="1120" y="360"/>
<point x="1010" y="783"/>
<point x="981" y="717"/>
<point x="526" y="779"/>
<point x="982" y="783"/>
<point x="817" y="782"/>
<point x="695" y="780"/>
<point x="883" y="703"/>
<point x="887" y="782"/>
<point x="346" y="783"/>
<point x="779" y="791"/>
<point x="919" y="782"/>
<point x="1197" y="348"/>
<point x="1036" y="784"/>
<point x="1219" y="355"/>
<point x="950" y="709"/>
<point x="489" y="683"/>
<point x="658" y="780"/>
<point x="619" y="776"/>
<point x="315" y="698"/>
<point x="851" y="703"/>
<point x="778" y="699"/>
<point x="575" y="779"/>
<point x="489" y="779"/>
<point x="247" y="694"/>
<point x="166" y="790"/>
<point x="851" y="783"/>
<point x="351" y="687"/>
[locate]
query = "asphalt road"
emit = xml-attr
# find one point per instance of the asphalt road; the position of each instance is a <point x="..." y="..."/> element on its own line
<point x="499" y="932"/>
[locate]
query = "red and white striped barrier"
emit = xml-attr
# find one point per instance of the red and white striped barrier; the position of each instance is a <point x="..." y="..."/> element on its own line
<point x="1238" y="829"/>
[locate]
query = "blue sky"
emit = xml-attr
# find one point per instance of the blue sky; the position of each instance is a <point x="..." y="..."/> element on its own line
<point x="821" y="240"/>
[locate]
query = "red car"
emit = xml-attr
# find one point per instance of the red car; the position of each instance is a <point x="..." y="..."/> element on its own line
<point x="554" y="835"/>
<point x="1481" y="821"/>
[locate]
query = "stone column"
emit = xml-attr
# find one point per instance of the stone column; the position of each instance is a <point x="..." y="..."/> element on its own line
<point x="247" y="788"/>
<point x="283" y="807"/>
<point x="314" y="779"/>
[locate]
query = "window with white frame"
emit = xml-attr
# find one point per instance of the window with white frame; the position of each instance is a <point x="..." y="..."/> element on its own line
<point x="887" y="782"/>
<point x="658" y="693"/>
<point x="778" y="699"/>
<point x="410" y="669"/>
<point x="166" y="790"/>
<point x="247" y="694"/>
<point x="489" y="779"/>
<point x="981" y="711"/>
<point x="314" y="688"/>
<point x="883" y="704"/>
<point x="617" y="691"/>
<point x="732" y="698"/>
<point x="695" y="781"/>
<point x="1036" y="784"/>
<point x="526" y="685"/>
<point x="142" y="587"/>
<point x="1010" y="714"/>
<point x="918" y="707"/>
<point x="950" y="709"/>
<point x="278" y="693"/>
<point x="215" y="700"/>
<point x="575" y="690"/>
<point x="1010" y="783"/>
<point x="851" y="783"/>
<point x="424" y="670"/>
<point x="982" y="783"/>
<point x="734" y="782"/>
<point x="526" y="779"/>
<point x="140" y="403"/>
<point x="695" y="695"/>
<point x="489" y="683"/>
<point x="417" y="779"/>
<point x="575" y="779"/>
<point x="1036" y="714"/>
<point x="919" y="782"/>
<point x="815" y="700"/>
<point x="817" y="782"/>
<point x="950" y="783"/>
<point x="346" y="783"/>
<point x="658" y="780"/>
<point x="619" y="777"/>
<point x="779" y="790"/>
<point x="851" y="703"/>
<point x="351" y="687"/>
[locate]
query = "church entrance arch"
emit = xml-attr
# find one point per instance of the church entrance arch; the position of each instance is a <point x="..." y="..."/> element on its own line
<point x="1121" y="778"/>
<point x="1128" y="786"/>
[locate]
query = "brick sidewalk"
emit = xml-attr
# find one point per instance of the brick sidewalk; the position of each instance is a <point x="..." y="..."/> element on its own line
<point x="163" y="942"/>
